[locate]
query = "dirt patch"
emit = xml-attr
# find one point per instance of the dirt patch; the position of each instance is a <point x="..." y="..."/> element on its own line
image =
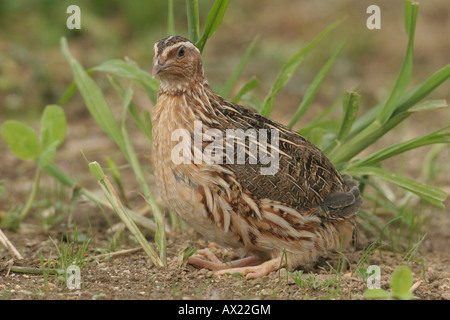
<point x="132" y="276"/>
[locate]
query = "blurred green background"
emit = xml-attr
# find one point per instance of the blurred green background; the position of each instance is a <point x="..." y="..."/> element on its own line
<point x="33" y="72"/>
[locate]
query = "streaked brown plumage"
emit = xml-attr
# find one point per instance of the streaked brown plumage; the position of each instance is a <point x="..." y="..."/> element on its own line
<point x="304" y="209"/>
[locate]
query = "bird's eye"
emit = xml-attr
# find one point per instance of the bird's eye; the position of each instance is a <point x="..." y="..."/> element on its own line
<point x="181" y="52"/>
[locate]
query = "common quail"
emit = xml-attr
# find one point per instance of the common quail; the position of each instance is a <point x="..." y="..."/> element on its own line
<point x="240" y="179"/>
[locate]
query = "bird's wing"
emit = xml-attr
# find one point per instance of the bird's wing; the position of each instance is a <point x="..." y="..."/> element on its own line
<point x="300" y="177"/>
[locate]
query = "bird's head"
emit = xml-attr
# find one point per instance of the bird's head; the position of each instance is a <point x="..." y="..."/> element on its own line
<point x="177" y="63"/>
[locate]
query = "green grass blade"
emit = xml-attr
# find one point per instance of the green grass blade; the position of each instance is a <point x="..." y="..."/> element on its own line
<point x="313" y="88"/>
<point x="328" y="126"/>
<point x="250" y="85"/>
<point x="429" y="105"/>
<point x="406" y="70"/>
<point x="123" y="213"/>
<point x="193" y="20"/>
<point x="129" y="70"/>
<point x="94" y="99"/>
<point x="288" y="69"/>
<point x="160" y="237"/>
<point x="372" y="133"/>
<point x="432" y="138"/>
<point x="237" y="72"/>
<point x="424" y="191"/>
<point x="317" y="120"/>
<point x="414" y="96"/>
<point x="170" y="18"/>
<point x="351" y="106"/>
<point x="212" y="23"/>
<point x="144" y="126"/>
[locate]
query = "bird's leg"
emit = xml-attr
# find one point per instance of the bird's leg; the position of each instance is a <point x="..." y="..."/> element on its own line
<point x="215" y="263"/>
<point x="253" y="272"/>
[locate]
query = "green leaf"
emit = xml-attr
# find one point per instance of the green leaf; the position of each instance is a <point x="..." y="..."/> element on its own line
<point x="193" y="20"/>
<point x="53" y="127"/>
<point x="212" y="23"/>
<point x="170" y="19"/>
<point x="351" y="105"/>
<point x="237" y="72"/>
<point x="313" y="88"/>
<point x="250" y="85"/>
<point x="433" y="195"/>
<point x="48" y="153"/>
<point x="413" y="97"/>
<point x="144" y="126"/>
<point x="376" y="294"/>
<point x="288" y="69"/>
<point x="406" y="70"/>
<point x="429" y="105"/>
<point x="21" y="139"/>
<point x="94" y="99"/>
<point x="122" y="68"/>
<point x="401" y="283"/>
<point x="125" y="69"/>
<point x="2" y="187"/>
<point x="432" y="138"/>
<point x="365" y="138"/>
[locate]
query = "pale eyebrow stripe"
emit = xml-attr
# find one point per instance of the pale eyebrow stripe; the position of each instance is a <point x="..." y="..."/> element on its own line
<point x="184" y="43"/>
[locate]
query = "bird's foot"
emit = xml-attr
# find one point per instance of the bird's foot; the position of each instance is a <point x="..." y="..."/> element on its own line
<point x="254" y="272"/>
<point x="216" y="264"/>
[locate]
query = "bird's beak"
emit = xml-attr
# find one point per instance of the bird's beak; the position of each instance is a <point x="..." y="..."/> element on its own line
<point x="157" y="68"/>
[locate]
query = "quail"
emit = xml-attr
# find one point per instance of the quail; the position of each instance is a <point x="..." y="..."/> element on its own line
<point x="240" y="179"/>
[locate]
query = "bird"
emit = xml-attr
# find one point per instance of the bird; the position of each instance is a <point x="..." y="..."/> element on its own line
<point x="287" y="216"/>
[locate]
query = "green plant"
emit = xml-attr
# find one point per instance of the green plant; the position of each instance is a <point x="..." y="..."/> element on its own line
<point x="401" y="283"/>
<point x="72" y="251"/>
<point x="24" y="142"/>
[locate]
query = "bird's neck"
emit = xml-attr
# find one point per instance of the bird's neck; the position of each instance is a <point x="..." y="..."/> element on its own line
<point x="181" y="105"/>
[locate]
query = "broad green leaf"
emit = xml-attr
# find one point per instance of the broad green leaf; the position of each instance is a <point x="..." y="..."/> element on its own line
<point x="401" y="283"/>
<point x="212" y="23"/>
<point x="376" y="294"/>
<point x="48" y="153"/>
<point x="237" y="72"/>
<point x="428" y="193"/>
<point x="406" y="70"/>
<point x="53" y="127"/>
<point x="288" y="70"/>
<point x="313" y="88"/>
<point x="21" y="139"/>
